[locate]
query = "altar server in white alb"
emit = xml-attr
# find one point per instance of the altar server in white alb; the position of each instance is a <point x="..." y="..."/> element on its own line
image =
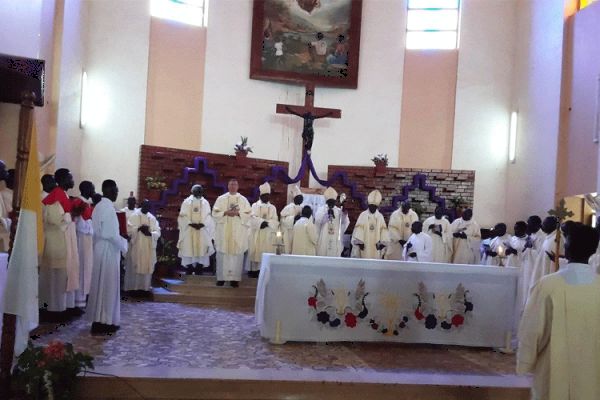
<point x="104" y="307"/>
<point x="232" y="214"/>
<point x="438" y="228"/>
<point x="59" y="266"/>
<point x="544" y="262"/>
<point x="498" y="246"/>
<point x="467" y="238"/>
<point x="82" y="214"/>
<point x="289" y="215"/>
<point x="331" y="222"/>
<point x="305" y="234"/>
<point x="519" y="246"/>
<point x="419" y="245"/>
<point x="144" y="231"/>
<point x="370" y="235"/>
<point x="48" y="184"/>
<point x="196" y="232"/>
<point x="399" y="227"/>
<point x="558" y="336"/>
<point x="264" y="225"/>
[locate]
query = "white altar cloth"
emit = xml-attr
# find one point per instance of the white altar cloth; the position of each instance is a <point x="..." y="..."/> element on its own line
<point x="291" y="304"/>
<point x="3" y="276"/>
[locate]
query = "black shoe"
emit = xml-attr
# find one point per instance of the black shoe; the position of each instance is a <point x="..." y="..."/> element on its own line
<point x="189" y="270"/>
<point x="99" y="328"/>
<point x="198" y="269"/>
<point x="234" y="283"/>
<point x="77" y="312"/>
<point x="220" y="283"/>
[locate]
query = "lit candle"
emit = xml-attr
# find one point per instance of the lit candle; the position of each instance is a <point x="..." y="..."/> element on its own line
<point x="278" y="331"/>
<point x="500" y="251"/>
<point x="279" y="237"/>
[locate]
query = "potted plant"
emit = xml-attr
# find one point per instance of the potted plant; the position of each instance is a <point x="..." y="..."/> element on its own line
<point x="49" y="372"/>
<point x="458" y="204"/>
<point x="155" y="184"/>
<point x="166" y="258"/>
<point x="242" y="149"/>
<point x="381" y="162"/>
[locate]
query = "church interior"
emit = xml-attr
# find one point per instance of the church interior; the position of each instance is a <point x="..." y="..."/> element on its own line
<point x="484" y="105"/>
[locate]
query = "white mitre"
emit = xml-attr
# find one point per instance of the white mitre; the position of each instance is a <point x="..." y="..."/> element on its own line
<point x="330" y="193"/>
<point x="296" y="191"/>
<point x="265" y="188"/>
<point x="375" y="198"/>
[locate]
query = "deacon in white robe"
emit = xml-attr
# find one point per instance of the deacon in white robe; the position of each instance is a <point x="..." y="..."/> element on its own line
<point x="129" y="210"/>
<point x="544" y="262"/>
<point x="399" y="227"/>
<point x="438" y="228"/>
<point x="536" y="238"/>
<point x="305" y="238"/>
<point x="331" y="223"/>
<point x="498" y="245"/>
<point x="467" y="237"/>
<point x="144" y="231"/>
<point x="59" y="265"/>
<point x="419" y="246"/>
<point x="370" y="236"/>
<point x="289" y="215"/>
<point x="232" y="214"/>
<point x="263" y="229"/>
<point x="518" y="246"/>
<point x="104" y="307"/>
<point x="82" y="211"/>
<point x="559" y="331"/>
<point x="196" y="232"/>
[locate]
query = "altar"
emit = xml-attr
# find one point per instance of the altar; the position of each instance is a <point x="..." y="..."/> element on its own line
<point x="324" y="299"/>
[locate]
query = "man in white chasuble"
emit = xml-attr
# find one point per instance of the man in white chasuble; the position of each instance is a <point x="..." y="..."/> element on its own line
<point x="289" y="215"/>
<point x="400" y="225"/>
<point x="370" y="236"/>
<point x="263" y="228"/>
<point x="331" y="222"/>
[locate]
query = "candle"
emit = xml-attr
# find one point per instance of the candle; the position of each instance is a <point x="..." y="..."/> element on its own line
<point x="500" y="251"/>
<point x="278" y="331"/>
<point x="279" y="237"/>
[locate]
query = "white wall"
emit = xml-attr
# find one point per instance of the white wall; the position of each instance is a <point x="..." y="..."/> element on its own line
<point x="69" y="135"/>
<point x="483" y="101"/>
<point x="235" y="105"/>
<point x="117" y="65"/>
<point x="538" y="65"/>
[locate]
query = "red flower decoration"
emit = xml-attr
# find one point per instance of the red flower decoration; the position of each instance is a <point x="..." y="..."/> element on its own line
<point x="55" y="350"/>
<point x="418" y="314"/>
<point x="458" y="320"/>
<point x="350" y="320"/>
<point x="312" y="302"/>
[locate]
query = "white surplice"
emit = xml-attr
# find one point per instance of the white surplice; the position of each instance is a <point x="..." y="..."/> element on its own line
<point x="421" y="244"/>
<point x="195" y="245"/>
<point x="370" y="229"/>
<point x="331" y="229"/>
<point x="138" y="274"/>
<point x="466" y="251"/>
<point x="400" y="229"/>
<point x="304" y="241"/>
<point x="441" y="245"/>
<point x="288" y="215"/>
<point x="104" y="302"/>
<point x="231" y="235"/>
<point x="262" y="240"/>
<point x="85" y="247"/>
<point x="559" y="335"/>
<point x="495" y="244"/>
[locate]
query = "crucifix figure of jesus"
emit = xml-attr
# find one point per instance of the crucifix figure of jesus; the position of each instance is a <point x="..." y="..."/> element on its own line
<point x="308" y="113"/>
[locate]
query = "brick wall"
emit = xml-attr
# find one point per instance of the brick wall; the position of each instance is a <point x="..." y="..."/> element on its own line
<point x="425" y="188"/>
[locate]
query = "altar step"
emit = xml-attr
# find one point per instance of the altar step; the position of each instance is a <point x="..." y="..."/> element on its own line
<point x="202" y="290"/>
<point x="265" y="385"/>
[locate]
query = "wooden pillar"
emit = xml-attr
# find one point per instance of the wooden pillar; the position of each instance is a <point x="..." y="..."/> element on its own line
<point x="23" y="147"/>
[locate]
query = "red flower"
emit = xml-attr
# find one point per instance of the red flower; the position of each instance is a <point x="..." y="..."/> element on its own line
<point x="350" y="320"/>
<point x="458" y="320"/>
<point x="312" y="302"/>
<point x="55" y="350"/>
<point x="418" y="314"/>
<point x="41" y="364"/>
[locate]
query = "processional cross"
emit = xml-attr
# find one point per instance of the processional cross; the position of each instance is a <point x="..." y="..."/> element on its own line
<point x="308" y="113"/>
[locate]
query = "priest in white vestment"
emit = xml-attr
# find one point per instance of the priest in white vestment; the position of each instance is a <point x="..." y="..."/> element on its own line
<point x="438" y="228"/>
<point x="370" y="235"/>
<point x="560" y="329"/>
<point x="82" y="214"/>
<point x="518" y="246"/>
<point x="304" y="241"/>
<point x="144" y="231"/>
<point x="331" y="223"/>
<point x="263" y="229"/>
<point x="544" y="262"/>
<point x="537" y="235"/>
<point x="232" y="214"/>
<point x="419" y="246"/>
<point x="196" y="232"/>
<point x="104" y="307"/>
<point x="59" y="265"/>
<point x="467" y="237"/>
<point x="289" y="215"/>
<point x="498" y="245"/>
<point x="400" y="230"/>
<point x="129" y="210"/>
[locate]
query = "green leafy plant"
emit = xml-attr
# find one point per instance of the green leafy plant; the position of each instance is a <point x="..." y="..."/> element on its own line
<point x="156" y="182"/>
<point x="242" y="146"/>
<point x="380" y="159"/>
<point x="49" y="372"/>
<point x="458" y="202"/>
<point x="166" y="252"/>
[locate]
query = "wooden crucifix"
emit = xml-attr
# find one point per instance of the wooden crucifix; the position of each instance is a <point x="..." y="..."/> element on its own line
<point x="308" y="113"/>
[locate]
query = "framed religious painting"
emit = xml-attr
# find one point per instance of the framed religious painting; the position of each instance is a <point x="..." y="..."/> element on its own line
<point x="306" y="41"/>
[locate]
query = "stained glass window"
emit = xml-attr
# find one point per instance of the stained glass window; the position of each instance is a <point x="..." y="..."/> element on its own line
<point x="432" y="24"/>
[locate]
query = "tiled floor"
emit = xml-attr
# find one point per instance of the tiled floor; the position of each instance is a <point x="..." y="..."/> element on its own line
<point x="183" y="336"/>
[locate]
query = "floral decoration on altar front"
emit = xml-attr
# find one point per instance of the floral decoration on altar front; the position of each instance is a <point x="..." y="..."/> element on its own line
<point x="338" y="307"/>
<point x="442" y="310"/>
